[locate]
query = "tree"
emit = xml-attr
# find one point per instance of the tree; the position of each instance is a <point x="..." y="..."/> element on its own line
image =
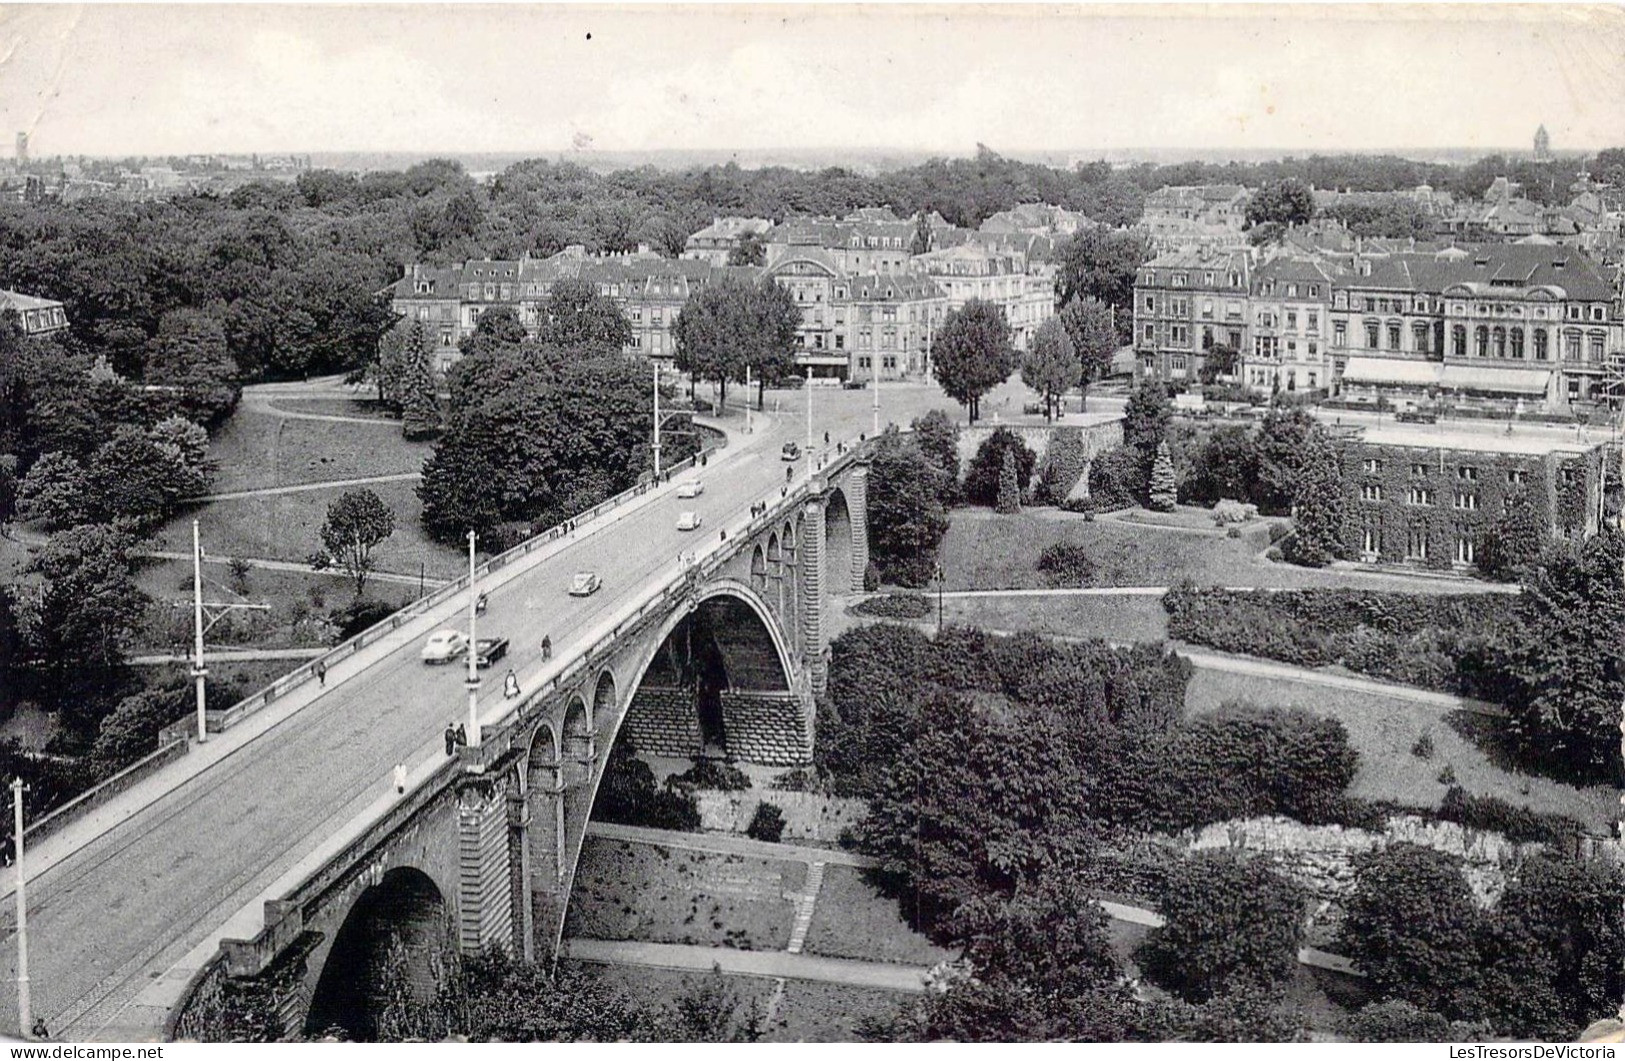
<point x="1146" y="416"/>
<point x="1051" y="366"/>
<point x="186" y="446"/>
<point x="1412" y="928"/>
<point x="575" y="314"/>
<point x="499" y="326"/>
<point x="529" y="441"/>
<point x="1091" y="324"/>
<point x="1282" y="445"/>
<point x="1102" y="264"/>
<point x="730" y="324"/>
<point x="355" y="524"/>
<point x="1515" y="540"/>
<point x="749" y="250"/>
<point x="982" y="478"/>
<point x="1568" y="665"/>
<point x="1318" y="505"/>
<point x="1009" y="499"/>
<point x="522" y="1002"/>
<point x="55" y="491"/>
<point x="1227" y="924"/>
<point x="419" y="390"/>
<point x="1554" y="955"/>
<point x="189" y="354"/>
<point x="1288" y="202"/>
<point x="1162" y="488"/>
<point x="938" y="439"/>
<point x="1225" y="465"/>
<point x="923" y="236"/>
<point x="1220" y="359"/>
<point x="130" y="478"/>
<point x="907" y="520"/>
<point x="1400" y="1022"/>
<point x="971" y="354"/>
<point x="86" y="612"/>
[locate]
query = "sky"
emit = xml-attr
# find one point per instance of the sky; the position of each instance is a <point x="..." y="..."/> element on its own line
<point x="159" y="79"/>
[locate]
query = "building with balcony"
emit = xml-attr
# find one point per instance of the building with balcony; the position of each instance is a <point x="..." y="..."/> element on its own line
<point x="859" y="326"/>
<point x="1184" y="303"/>
<point x="715" y="242"/>
<point x="1291" y="324"/>
<point x="1024" y="289"/>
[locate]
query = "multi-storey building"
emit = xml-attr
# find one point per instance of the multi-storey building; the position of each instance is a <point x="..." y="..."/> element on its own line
<point x="874" y="241"/>
<point x="1409" y="499"/>
<point x="858" y="327"/>
<point x="1488" y="325"/>
<point x="1289" y="313"/>
<point x="37" y="316"/>
<point x="973" y="270"/>
<point x="715" y="242"/>
<point x="1211" y="204"/>
<point x="1184" y="302"/>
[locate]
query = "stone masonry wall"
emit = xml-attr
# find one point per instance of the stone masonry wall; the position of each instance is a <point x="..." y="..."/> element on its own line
<point x="769" y="729"/>
<point x="664" y="722"/>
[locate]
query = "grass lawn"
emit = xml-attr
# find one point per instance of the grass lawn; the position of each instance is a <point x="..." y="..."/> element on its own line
<point x="828" y="1013"/>
<point x="659" y="895"/>
<point x="295" y="599"/>
<point x="853" y="920"/>
<point x="1384" y="729"/>
<point x="256" y="449"/>
<point x="651" y="988"/>
<point x="1187" y="517"/>
<point x="363" y="408"/>
<point x="1108" y="618"/>
<point x="287" y="527"/>
<point x="984" y="550"/>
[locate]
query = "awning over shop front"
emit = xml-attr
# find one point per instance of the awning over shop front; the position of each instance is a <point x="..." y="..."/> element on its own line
<point x="1532" y="383"/>
<point x="1391" y="371"/>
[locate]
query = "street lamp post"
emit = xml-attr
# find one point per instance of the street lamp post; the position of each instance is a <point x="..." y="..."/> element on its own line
<point x="748" y="427"/>
<point x="939" y="599"/>
<point x="875" y="407"/>
<point x="25" y="1017"/>
<point x="473" y="680"/>
<point x="657" y="420"/>
<point x="199" y="671"/>
<point x="809" y="414"/>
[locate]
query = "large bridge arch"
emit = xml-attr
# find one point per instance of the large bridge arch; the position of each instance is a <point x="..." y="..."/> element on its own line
<point x="391" y="960"/>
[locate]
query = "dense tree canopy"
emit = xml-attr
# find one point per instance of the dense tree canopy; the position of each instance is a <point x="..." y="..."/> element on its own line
<point x="907" y="519"/>
<point x="1102" y="264"/>
<point x="576" y="314"/>
<point x="729" y="325"/>
<point x="1051" y="365"/>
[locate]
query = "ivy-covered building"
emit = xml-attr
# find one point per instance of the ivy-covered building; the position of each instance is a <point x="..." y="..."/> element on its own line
<point x="1411" y="500"/>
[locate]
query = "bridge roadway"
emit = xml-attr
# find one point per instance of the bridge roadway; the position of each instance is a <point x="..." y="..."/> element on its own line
<point x="108" y="917"/>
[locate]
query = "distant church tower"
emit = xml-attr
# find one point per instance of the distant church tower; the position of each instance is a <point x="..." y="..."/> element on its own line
<point x="1543" y="145"/>
<point x="22" y="149"/>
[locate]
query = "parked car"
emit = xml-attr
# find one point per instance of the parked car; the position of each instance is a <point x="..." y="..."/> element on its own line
<point x="794" y="383"/>
<point x="692" y="488"/>
<point x="487" y="650"/>
<point x="855" y="384"/>
<point x="444" y="646"/>
<point x="790" y="452"/>
<point x="1416" y="416"/>
<point x="689" y="521"/>
<point x="585" y="584"/>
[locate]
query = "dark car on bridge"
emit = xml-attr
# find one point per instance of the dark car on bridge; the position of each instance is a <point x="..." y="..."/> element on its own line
<point x="487" y="650"/>
<point x="789" y="452"/>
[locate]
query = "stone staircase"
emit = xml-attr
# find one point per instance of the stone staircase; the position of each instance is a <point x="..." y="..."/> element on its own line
<point x="804" y="907"/>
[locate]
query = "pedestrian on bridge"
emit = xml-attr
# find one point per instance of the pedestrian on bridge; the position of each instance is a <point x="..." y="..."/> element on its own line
<point x="510" y="686"/>
<point x="321" y="673"/>
<point x="400" y="779"/>
<point x="451" y="739"/>
<point x="547" y="647"/>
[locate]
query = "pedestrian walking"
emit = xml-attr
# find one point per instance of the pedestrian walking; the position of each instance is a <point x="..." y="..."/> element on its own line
<point x="400" y="778"/>
<point x="510" y="686"/>
<point x="451" y="739"/>
<point x="462" y="734"/>
<point x="789" y="473"/>
<point x="547" y="646"/>
<point x="40" y="1031"/>
<point x="321" y="674"/>
<point x="826" y="438"/>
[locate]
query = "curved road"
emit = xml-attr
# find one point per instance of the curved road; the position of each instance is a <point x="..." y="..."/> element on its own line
<point x="107" y="917"/>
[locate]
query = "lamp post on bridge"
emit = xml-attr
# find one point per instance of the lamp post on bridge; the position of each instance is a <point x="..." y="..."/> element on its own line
<point x="473" y="679"/>
<point x="25" y="1016"/>
<point x="657" y="419"/>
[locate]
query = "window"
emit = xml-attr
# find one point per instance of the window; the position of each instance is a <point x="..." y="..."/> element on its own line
<point x="1416" y="543"/>
<point x="1458" y="341"/>
<point x="1314" y="329"/>
<point x="1418" y="470"/>
<point x="1465" y="551"/>
<point x="1597" y="313"/>
<point x="1340" y="333"/>
<point x="1372" y="465"/>
<point x="1178" y="280"/>
<point x="1466" y="500"/>
<point x="1393" y="335"/>
<point x="1292" y="320"/>
<point x="1179" y="334"/>
<point x="1371" y="541"/>
<point x="1541" y="352"/>
<point x="1500" y="341"/>
<point x="1419" y="337"/>
<point x="1371" y="492"/>
<point x="1421" y="495"/>
<point x="1517" y="343"/>
<point x="1467" y="473"/>
<point x="1207" y="309"/>
<point x="1596" y="346"/>
<point x="1481" y="341"/>
<point x="1571" y="346"/>
<point x="1515" y="477"/>
<point x="840" y="344"/>
<point x="1371" y="331"/>
<point x="1150" y="333"/>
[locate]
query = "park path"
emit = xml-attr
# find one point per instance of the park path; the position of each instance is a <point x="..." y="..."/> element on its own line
<point x="300" y="488"/>
<point x="768" y="963"/>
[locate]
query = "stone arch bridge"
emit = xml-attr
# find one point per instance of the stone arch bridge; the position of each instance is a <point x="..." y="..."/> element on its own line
<point x="722" y="658"/>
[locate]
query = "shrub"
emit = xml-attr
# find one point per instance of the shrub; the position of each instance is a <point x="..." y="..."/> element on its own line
<point x="1163" y="487"/>
<point x="1009" y="500"/>
<point x="1233" y="532"/>
<point x="982" y="477"/>
<point x="766" y="824"/>
<point x="1117" y="478"/>
<point x="1423" y="748"/>
<point x="871" y="577"/>
<point x="1447" y="776"/>
<point x="1518" y="824"/>
<point x="360" y="614"/>
<point x="1066" y="564"/>
<point x="711" y="774"/>
<point x="1394" y="1021"/>
<point x="894" y="606"/>
<point x="798" y="780"/>
<point x="1272" y="553"/>
<point x="628" y="795"/>
<point x="1278" y="531"/>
